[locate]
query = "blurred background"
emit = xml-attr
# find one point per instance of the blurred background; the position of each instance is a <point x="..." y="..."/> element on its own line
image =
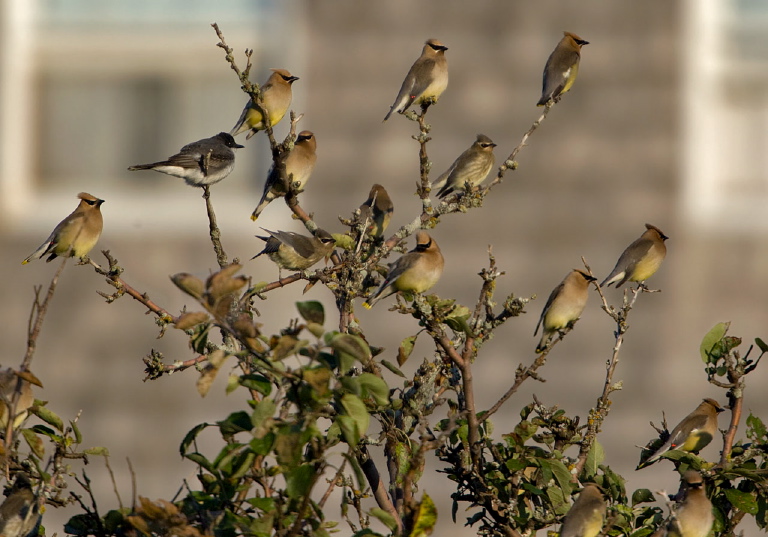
<point x="666" y="124"/>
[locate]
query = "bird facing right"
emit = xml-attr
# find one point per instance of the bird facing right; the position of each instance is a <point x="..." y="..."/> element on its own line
<point x="299" y="164"/>
<point x="641" y="259"/>
<point x="692" y="434"/>
<point x="426" y="80"/>
<point x="586" y="516"/>
<point x="293" y="251"/>
<point x="276" y="95"/>
<point x="472" y="167"/>
<point x="561" y="68"/>
<point x="199" y="163"/>
<point x="415" y="272"/>
<point x="76" y="235"/>
<point x="564" y="306"/>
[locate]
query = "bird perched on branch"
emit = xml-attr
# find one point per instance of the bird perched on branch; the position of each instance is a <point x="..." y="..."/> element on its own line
<point x="76" y="235"/>
<point x="299" y="163"/>
<point x="564" y="305"/>
<point x="276" y="96"/>
<point x="641" y="259"/>
<point x="292" y="251"/>
<point x="377" y="211"/>
<point x="19" y="513"/>
<point x="692" y="434"/>
<point x="472" y="167"/>
<point x="199" y="163"/>
<point x="415" y="272"/>
<point x="425" y="81"/>
<point x="693" y="517"/>
<point x="585" y="518"/>
<point x="561" y="68"/>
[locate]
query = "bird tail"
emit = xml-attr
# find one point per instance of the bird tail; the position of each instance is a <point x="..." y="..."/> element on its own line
<point x="39" y="253"/>
<point x="145" y="166"/>
<point x="386" y="118"/>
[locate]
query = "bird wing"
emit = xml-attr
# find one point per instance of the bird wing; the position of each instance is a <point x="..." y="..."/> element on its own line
<point x="552" y="296"/>
<point x="632" y="256"/>
<point x="678" y="436"/>
<point x="423" y="76"/>
<point x="303" y="245"/>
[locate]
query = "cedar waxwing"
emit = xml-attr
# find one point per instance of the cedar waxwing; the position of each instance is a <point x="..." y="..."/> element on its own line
<point x="276" y="95"/>
<point x="586" y="516"/>
<point x="77" y="234"/>
<point x="377" y="211"/>
<point x="19" y="513"/>
<point x="426" y="80"/>
<point x="693" y="518"/>
<point x="299" y="163"/>
<point x="199" y="163"/>
<point x="641" y="259"/>
<point x="472" y="167"/>
<point x="292" y="251"/>
<point x="692" y="434"/>
<point x="415" y="272"/>
<point x="564" y="305"/>
<point x="8" y="382"/>
<point x="562" y="67"/>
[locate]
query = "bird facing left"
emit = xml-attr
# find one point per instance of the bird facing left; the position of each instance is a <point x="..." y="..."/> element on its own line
<point x="199" y="163"/>
<point x="76" y="235"/>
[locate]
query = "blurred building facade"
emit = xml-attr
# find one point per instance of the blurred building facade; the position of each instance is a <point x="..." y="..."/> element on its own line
<point x="665" y="124"/>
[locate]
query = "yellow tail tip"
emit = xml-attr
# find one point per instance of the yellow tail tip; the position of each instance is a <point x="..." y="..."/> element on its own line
<point x="25" y="262"/>
<point x="367" y="306"/>
<point x="254" y="217"/>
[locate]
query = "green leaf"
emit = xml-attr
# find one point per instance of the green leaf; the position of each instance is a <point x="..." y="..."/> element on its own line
<point x="348" y="428"/>
<point x="353" y="346"/>
<point x="200" y="460"/>
<point x="263" y="410"/>
<point x="48" y="417"/>
<point x="34" y="442"/>
<point x="595" y="457"/>
<point x="375" y="388"/>
<point x="761" y="344"/>
<point x="384" y="517"/>
<point x="260" y="383"/>
<point x="710" y="340"/>
<point x="190" y="437"/>
<point x="756" y="430"/>
<point x="264" y="504"/>
<point x="355" y="409"/>
<point x="76" y="432"/>
<point x="311" y="311"/>
<point x="405" y="349"/>
<point x="642" y="496"/>
<point x="393" y="368"/>
<point x="298" y="482"/>
<point x="743" y="501"/>
<point x="97" y="450"/>
<point x="237" y="422"/>
<point x="425" y="517"/>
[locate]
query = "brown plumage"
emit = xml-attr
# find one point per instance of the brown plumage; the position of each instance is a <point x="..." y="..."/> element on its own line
<point x="293" y="251"/>
<point x="641" y="259"/>
<point x="299" y="163"/>
<point x="692" y="434"/>
<point x="425" y="81"/>
<point x="564" y="306"/>
<point x="472" y="167"/>
<point x="76" y="235"/>
<point x="561" y="68"/>
<point x="693" y="517"/>
<point x="276" y="94"/>
<point x="586" y="516"/>
<point x="19" y="513"/>
<point x="415" y="272"/>
<point x="377" y="211"/>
